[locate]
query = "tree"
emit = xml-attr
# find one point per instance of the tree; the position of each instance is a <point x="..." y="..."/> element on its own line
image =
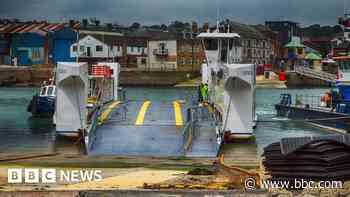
<point x="135" y="26"/>
<point x="164" y="27"/>
<point x="178" y="26"/>
<point x="95" y="21"/>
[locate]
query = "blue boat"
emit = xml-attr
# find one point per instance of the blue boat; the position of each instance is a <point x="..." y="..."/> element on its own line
<point x="331" y="111"/>
<point x="43" y="104"/>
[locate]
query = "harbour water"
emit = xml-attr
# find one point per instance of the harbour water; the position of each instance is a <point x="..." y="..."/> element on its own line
<point x="21" y="133"/>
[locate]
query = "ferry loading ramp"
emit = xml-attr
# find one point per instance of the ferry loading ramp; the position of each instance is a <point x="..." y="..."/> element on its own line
<point x="155" y="128"/>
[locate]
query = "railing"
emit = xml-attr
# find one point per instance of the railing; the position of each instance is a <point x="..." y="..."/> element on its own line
<point x="195" y="115"/>
<point x="90" y="134"/>
<point x="187" y="136"/>
<point x="308" y="100"/>
<point x="315" y="74"/>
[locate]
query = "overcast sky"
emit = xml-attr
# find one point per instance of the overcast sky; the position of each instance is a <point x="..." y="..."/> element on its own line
<point x="164" y="11"/>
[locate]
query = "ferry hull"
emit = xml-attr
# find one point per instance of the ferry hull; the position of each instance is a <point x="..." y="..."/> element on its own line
<point x="302" y="113"/>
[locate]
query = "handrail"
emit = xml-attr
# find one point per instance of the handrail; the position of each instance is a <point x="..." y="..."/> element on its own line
<point x="315" y="74"/>
<point x="187" y="136"/>
<point x="90" y="135"/>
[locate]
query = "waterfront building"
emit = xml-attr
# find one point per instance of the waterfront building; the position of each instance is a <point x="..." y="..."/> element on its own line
<point x="30" y="43"/>
<point x="5" y="49"/>
<point x="162" y="54"/>
<point x="96" y="46"/>
<point x="135" y="52"/>
<point x="175" y="51"/>
<point x="294" y="53"/>
<point x="285" y="30"/>
<point x="59" y="45"/>
<point x="257" y="44"/>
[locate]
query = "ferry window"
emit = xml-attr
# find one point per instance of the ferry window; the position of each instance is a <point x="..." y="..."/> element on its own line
<point x="211" y="45"/>
<point x="346" y="65"/>
<point x="99" y="48"/>
<point x="224" y="50"/>
<point x="43" y="91"/>
<point x="50" y="91"/>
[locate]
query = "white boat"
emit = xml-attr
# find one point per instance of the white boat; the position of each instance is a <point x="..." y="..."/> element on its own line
<point x="231" y="85"/>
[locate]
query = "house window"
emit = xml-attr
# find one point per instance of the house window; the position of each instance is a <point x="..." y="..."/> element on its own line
<point x="99" y="48"/>
<point x="82" y="48"/>
<point x="300" y="51"/>
<point x="138" y="49"/>
<point x="75" y="48"/>
<point x="183" y="61"/>
<point x="132" y="49"/>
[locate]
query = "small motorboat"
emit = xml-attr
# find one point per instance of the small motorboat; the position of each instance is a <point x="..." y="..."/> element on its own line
<point x="43" y="103"/>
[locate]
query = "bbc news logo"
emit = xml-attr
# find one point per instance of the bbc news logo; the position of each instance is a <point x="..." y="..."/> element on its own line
<point x="19" y="175"/>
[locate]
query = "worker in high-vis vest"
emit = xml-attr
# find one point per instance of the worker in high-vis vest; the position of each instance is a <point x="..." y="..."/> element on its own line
<point x="205" y="91"/>
<point x="200" y="95"/>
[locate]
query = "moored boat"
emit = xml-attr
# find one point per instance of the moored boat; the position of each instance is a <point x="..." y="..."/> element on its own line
<point x="331" y="110"/>
<point x="43" y="103"/>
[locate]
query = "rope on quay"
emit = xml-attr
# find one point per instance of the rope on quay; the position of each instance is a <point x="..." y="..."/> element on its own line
<point x="304" y="120"/>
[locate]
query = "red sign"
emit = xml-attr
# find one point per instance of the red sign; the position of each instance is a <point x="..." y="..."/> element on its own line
<point x="102" y="71"/>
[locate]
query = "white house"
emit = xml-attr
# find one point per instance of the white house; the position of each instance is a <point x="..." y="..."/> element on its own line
<point x="91" y="47"/>
<point x="136" y="50"/>
<point x="162" y="54"/>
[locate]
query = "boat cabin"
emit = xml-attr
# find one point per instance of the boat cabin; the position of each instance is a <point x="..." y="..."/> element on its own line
<point x="221" y="47"/>
<point x="48" y="91"/>
<point x="344" y="67"/>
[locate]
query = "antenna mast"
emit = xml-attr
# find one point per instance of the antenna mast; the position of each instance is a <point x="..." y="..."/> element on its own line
<point x="217" y="15"/>
<point x="345" y="8"/>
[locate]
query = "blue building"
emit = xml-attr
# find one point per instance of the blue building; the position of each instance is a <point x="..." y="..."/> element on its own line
<point x="29" y="48"/>
<point x="34" y="43"/>
<point x="5" y="49"/>
<point x="4" y="46"/>
<point x="59" y="45"/>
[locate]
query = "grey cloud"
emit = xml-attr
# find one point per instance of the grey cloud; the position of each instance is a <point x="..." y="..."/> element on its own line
<point x="164" y="11"/>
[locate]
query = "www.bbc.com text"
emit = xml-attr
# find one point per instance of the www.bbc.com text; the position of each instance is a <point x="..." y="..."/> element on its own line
<point x="251" y="184"/>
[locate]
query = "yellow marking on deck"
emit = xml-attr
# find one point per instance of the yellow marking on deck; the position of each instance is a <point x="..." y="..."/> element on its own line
<point x="141" y="116"/>
<point x="105" y="114"/>
<point x="178" y="113"/>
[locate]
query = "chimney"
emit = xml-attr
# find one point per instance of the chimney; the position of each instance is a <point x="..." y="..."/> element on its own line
<point x="71" y="23"/>
<point x="109" y="26"/>
<point x="205" y="27"/>
<point x="85" y="23"/>
<point x="194" y="27"/>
